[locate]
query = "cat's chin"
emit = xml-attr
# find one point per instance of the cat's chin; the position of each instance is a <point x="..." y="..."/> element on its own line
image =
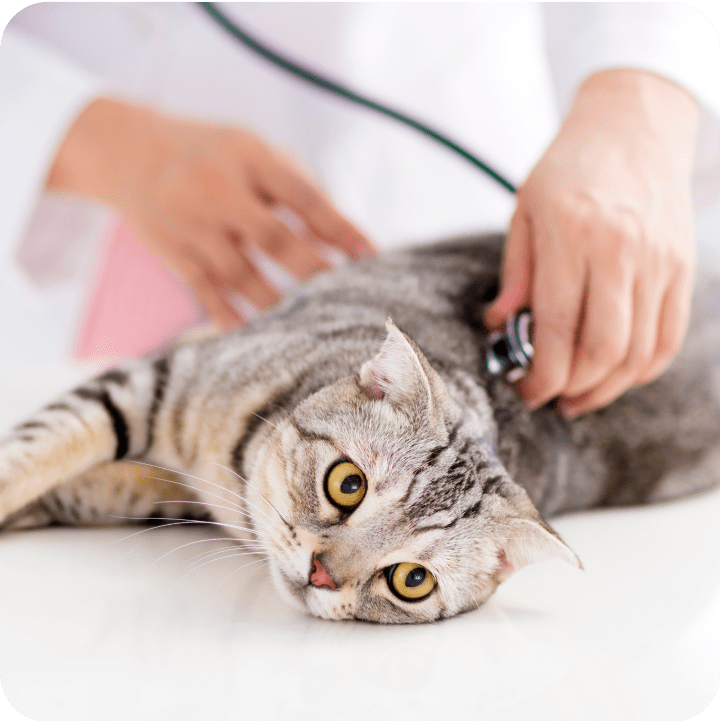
<point x="320" y="602"/>
<point x="287" y="588"/>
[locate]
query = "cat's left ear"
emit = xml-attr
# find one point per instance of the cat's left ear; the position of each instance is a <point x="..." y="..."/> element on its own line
<point x="527" y="539"/>
<point x="401" y="374"/>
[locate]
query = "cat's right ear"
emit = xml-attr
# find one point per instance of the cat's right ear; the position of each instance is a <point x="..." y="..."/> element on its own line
<point x="400" y="373"/>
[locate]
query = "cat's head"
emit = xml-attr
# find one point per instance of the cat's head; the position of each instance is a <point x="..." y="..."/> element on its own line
<point x="396" y="508"/>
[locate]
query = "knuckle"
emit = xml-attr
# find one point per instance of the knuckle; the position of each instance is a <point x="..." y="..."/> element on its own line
<point x="613" y="351"/>
<point x="308" y="198"/>
<point x="607" y="352"/>
<point x="195" y="277"/>
<point x="575" y="214"/>
<point x="274" y="239"/>
<point x="624" y="239"/>
<point x="547" y="382"/>
<point x="643" y="358"/>
<point x="557" y="323"/>
<point x="574" y="209"/>
<point x="679" y="262"/>
<point x="671" y="346"/>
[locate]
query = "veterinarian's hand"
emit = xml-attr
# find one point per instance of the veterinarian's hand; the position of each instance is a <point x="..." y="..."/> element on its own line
<point x="601" y="243"/>
<point x="202" y="196"/>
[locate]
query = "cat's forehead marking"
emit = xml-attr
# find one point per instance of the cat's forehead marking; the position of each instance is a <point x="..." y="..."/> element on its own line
<point x="306" y="434"/>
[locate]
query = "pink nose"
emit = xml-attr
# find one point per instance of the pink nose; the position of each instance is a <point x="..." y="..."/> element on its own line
<point x="319" y="576"/>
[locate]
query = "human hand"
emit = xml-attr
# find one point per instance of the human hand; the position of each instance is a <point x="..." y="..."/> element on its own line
<point x="202" y="196"/>
<point x="600" y="246"/>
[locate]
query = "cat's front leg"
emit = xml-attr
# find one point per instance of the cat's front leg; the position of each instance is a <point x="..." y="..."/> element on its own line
<point x="108" y="418"/>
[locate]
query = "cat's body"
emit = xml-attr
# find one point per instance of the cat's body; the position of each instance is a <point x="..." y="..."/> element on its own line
<point x="434" y="448"/>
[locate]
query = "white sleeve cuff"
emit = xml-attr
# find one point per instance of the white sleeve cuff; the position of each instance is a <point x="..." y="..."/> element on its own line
<point x="670" y="39"/>
<point x="41" y="94"/>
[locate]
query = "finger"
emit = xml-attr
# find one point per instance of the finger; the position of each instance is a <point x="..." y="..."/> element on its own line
<point x="254" y="286"/>
<point x="283" y="184"/>
<point x="232" y="269"/>
<point x="207" y="292"/>
<point x="516" y="272"/>
<point x="557" y="308"/>
<point x="294" y="253"/>
<point x="607" y="327"/>
<point x="643" y="341"/>
<point x="673" y="324"/>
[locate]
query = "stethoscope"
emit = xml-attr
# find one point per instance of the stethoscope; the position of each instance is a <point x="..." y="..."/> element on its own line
<point x="507" y="353"/>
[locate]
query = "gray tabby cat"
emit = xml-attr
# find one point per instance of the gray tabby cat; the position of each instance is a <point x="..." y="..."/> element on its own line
<point x="386" y="476"/>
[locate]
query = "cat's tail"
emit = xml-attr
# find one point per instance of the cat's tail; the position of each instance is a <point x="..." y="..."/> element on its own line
<point x="108" y="418"/>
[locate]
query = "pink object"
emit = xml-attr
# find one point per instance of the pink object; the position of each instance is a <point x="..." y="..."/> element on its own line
<point x="136" y="304"/>
<point x="319" y="576"/>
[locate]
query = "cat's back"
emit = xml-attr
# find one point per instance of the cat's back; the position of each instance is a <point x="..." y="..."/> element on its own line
<point x="436" y="294"/>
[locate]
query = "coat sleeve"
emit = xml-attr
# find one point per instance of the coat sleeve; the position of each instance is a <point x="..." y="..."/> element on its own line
<point x="40" y="96"/>
<point x="673" y="40"/>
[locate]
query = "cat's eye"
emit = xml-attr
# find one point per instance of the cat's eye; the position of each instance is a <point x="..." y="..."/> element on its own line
<point x="410" y="581"/>
<point x="345" y="485"/>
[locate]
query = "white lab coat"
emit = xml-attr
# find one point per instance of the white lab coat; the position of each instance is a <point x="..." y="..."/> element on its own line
<point x="497" y="77"/>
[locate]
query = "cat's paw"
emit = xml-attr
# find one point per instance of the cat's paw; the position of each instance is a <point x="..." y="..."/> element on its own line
<point x="36" y="517"/>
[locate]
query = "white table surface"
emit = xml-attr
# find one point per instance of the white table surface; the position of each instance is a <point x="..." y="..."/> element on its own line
<point x="96" y="624"/>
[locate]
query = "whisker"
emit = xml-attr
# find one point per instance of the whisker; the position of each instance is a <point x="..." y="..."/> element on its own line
<point x="143" y="530"/>
<point x="261" y="560"/>
<point x="192" y="488"/>
<point x="219" y="558"/>
<point x="216" y="485"/>
<point x="250" y="549"/>
<point x="189" y="475"/>
<point x="192" y="543"/>
<point x="241" y="511"/>
<point x="175" y="522"/>
<point x="249" y="485"/>
<point x="258" y="492"/>
<point x="225" y="553"/>
<point x="265" y="419"/>
<point x="194" y="503"/>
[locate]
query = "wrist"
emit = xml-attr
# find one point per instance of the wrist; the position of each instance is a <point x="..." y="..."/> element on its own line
<point x="108" y="151"/>
<point x="640" y="106"/>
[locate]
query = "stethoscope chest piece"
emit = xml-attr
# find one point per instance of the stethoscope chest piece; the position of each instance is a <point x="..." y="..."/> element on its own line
<point x="510" y="353"/>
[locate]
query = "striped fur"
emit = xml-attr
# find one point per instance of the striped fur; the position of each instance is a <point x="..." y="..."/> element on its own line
<point x="243" y="428"/>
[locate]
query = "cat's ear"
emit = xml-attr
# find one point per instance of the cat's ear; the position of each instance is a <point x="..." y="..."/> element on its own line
<point x="400" y="373"/>
<point x="530" y="541"/>
<point x="526" y="538"/>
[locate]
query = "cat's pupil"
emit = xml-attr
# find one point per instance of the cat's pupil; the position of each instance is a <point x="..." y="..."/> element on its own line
<point x="415" y="577"/>
<point x="351" y="484"/>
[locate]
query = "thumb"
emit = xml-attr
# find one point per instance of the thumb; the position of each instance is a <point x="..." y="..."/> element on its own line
<point x="516" y="273"/>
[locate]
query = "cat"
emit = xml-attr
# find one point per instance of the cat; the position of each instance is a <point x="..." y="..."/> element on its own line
<point x="354" y="435"/>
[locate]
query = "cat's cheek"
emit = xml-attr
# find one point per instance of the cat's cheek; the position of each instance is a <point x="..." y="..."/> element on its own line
<point x="285" y="588"/>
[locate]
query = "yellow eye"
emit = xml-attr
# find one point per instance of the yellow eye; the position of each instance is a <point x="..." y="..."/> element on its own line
<point x="410" y="581"/>
<point x="345" y="485"/>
